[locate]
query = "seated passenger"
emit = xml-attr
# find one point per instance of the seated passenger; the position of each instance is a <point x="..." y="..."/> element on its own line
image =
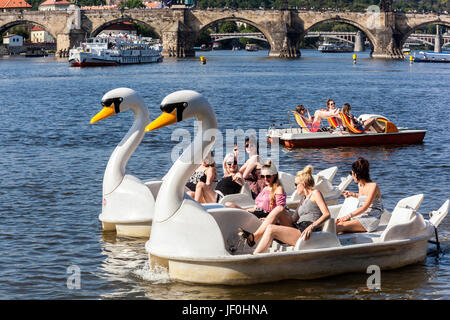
<point x="322" y="114"/>
<point x="367" y="216"/>
<point x="304" y="113"/>
<point x="310" y="214"/>
<point x="231" y="182"/>
<point x="206" y="173"/>
<point x="271" y="201"/>
<point x="371" y="122"/>
<point x="251" y="169"/>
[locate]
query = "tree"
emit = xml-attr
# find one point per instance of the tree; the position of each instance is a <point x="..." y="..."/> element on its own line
<point x="131" y="4"/>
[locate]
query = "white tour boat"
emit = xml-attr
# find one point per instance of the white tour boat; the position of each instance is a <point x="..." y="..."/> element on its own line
<point x="112" y="51"/>
<point x="199" y="243"/>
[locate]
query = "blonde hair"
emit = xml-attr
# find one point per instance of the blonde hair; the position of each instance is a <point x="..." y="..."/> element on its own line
<point x="305" y="176"/>
<point x="226" y="171"/>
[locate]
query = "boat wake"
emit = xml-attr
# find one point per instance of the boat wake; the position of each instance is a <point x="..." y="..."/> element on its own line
<point x="153" y="274"/>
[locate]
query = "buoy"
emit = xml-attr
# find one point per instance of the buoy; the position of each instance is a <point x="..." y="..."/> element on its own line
<point x="411" y="59"/>
<point x="203" y="59"/>
<point x="354" y="58"/>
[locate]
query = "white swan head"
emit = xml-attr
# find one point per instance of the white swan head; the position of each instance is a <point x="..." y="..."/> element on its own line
<point x="178" y="106"/>
<point x="116" y="101"/>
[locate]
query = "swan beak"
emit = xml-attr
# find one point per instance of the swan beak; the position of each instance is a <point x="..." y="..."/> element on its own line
<point x="103" y="114"/>
<point x="165" y="119"/>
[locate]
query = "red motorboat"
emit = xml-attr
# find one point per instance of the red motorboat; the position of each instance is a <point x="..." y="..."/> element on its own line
<point x="302" y="137"/>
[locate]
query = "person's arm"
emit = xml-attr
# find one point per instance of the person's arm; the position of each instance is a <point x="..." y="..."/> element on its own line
<point x="318" y="199"/>
<point x="210" y="175"/>
<point x="250" y="164"/>
<point x="372" y="193"/>
<point x="237" y="177"/>
<point x="347" y="194"/>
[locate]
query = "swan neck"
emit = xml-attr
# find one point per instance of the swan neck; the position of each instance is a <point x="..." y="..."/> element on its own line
<point x="116" y="168"/>
<point x="172" y="191"/>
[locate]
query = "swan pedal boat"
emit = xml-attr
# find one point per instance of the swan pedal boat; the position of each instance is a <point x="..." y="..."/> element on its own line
<point x="200" y="243"/>
<point x="401" y="239"/>
<point x="128" y="202"/>
<point x="301" y="137"/>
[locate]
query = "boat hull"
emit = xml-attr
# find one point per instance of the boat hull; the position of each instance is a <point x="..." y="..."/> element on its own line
<point x="302" y="265"/>
<point x="136" y="230"/>
<point x="309" y="140"/>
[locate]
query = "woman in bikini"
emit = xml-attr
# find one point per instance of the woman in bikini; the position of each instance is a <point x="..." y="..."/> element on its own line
<point x="206" y="173"/>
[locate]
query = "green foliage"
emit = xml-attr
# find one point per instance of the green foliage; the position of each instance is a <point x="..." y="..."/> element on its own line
<point x="228" y="27"/>
<point x="145" y="31"/>
<point x="131" y="4"/>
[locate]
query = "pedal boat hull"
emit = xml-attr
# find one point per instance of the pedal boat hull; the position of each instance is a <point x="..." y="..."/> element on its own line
<point x="296" y="139"/>
<point x="290" y="264"/>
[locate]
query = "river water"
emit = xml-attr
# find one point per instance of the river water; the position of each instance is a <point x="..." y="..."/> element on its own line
<point x="52" y="163"/>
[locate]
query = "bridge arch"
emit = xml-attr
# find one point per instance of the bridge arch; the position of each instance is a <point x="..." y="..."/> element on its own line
<point x="103" y="26"/>
<point x="237" y="19"/>
<point x="412" y="29"/>
<point x="365" y="31"/>
<point x="12" y="24"/>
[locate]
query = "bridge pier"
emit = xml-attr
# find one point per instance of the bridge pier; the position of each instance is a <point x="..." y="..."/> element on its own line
<point x="178" y="41"/>
<point x="67" y="40"/>
<point x="359" y="42"/>
<point x="437" y="41"/>
<point x="284" y="45"/>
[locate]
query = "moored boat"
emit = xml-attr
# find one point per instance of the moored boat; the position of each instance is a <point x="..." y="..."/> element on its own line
<point x="302" y="137"/>
<point x="335" y="47"/>
<point x="114" y="51"/>
<point x="251" y="47"/>
<point x="424" y="56"/>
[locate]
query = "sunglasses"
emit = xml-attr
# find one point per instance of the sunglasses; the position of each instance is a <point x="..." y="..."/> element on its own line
<point x="232" y="163"/>
<point x="332" y="104"/>
<point x="266" y="176"/>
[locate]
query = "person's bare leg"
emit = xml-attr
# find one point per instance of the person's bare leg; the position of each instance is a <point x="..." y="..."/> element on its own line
<point x="372" y="122"/>
<point x="350" y="226"/>
<point x="204" y="193"/>
<point x="285" y="234"/>
<point x="232" y="205"/>
<point x="271" y="219"/>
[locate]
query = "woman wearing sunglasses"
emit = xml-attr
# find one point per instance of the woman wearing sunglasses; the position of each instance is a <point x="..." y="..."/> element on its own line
<point x="231" y="182"/>
<point x="322" y="114"/>
<point x="311" y="213"/>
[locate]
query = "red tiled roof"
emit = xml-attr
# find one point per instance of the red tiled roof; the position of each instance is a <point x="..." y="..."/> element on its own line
<point x="37" y="28"/>
<point x="14" y="4"/>
<point x="55" y="3"/>
<point x="152" y="5"/>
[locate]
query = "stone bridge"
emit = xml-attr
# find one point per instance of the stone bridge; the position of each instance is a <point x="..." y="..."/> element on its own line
<point x="180" y="28"/>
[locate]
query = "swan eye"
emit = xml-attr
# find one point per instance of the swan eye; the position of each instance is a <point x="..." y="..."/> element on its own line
<point x="115" y="101"/>
<point x="179" y="106"/>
